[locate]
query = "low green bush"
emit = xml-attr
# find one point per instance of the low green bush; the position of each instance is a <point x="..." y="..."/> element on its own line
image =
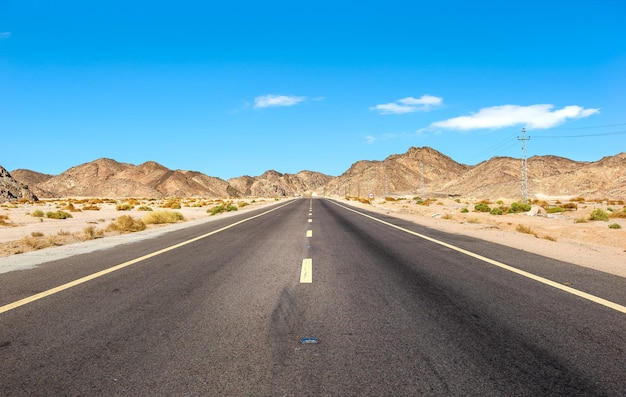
<point x="58" y="215"/>
<point x="37" y="213"/>
<point x="221" y="208"/>
<point x="519" y="207"/>
<point x="496" y="211"/>
<point x="598" y="215"/>
<point x="482" y="207"/>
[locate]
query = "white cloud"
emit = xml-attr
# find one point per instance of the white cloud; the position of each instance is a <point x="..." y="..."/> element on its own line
<point x="409" y="105"/>
<point x="370" y="139"/>
<point x="267" y="101"/>
<point x="5" y="35"/>
<point x="532" y="117"/>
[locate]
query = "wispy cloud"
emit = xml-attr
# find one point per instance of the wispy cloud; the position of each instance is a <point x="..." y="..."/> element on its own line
<point x="5" y="35"/>
<point x="409" y="105"/>
<point x="371" y="139"/>
<point x="532" y="117"/>
<point x="267" y="101"/>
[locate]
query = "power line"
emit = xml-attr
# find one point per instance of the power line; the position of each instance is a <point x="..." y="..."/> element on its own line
<point x="588" y="128"/>
<point x="582" y="136"/>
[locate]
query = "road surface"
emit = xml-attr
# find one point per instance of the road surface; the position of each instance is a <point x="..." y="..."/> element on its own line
<point x="311" y="298"/>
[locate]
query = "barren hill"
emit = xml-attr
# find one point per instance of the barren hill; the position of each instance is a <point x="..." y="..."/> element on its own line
<point x="399" y="173"/>
<point x="109" y="178"/>
<point x="407" y="173"/>
<point x="33" y="180"/>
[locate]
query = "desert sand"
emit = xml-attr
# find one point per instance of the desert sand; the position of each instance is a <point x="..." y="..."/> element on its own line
<point x="561" y="236"/>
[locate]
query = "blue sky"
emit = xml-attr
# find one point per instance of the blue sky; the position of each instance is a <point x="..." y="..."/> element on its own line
<point x="240" y="88"/>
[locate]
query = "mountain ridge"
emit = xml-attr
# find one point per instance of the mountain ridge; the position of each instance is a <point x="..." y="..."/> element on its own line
<point x="419" y="169"/>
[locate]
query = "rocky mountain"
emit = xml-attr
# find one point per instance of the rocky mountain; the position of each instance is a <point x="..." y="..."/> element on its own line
<point x="272" y="183"/>
<point x="407" y="173"/>
<point x="109" y="178"/>
<point x="12" y="190"/>
<point x="398" y="174"/>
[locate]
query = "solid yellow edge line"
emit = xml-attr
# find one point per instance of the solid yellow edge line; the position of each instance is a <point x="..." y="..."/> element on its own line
<point x="306" y="274"/>
<point x="584" y="295"/>
<point x="82" y="280"/>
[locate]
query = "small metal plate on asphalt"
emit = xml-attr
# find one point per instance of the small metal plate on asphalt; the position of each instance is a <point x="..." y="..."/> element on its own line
<point x="306" y="341"/>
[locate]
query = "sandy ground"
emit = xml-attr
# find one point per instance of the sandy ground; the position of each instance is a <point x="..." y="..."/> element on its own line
<point x="560" y="236"/>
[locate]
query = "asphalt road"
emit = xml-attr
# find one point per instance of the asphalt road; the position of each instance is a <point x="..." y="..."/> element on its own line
<point x="392" y="313"/>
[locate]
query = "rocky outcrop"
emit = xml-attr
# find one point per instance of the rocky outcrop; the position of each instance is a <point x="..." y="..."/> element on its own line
<point x="12" y="190"/>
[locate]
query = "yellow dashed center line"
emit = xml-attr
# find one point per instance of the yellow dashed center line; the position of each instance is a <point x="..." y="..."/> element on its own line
<point x="306" y="274"/>
<point x="309" y="233"/>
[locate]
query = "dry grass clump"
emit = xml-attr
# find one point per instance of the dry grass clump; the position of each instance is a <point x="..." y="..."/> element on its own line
<point x="38" y="241"/>
<point x="5" y="221"/>
<point x="91" y="233"/>
<point x="126" y="224"/>
<point x="525" y="229"/>
<point x="70" y="207"/>
<point x="161" y="217"/>
<point x="172" y="204"/>
<point x="37" y="214"/>
<point x="618" y="214"/>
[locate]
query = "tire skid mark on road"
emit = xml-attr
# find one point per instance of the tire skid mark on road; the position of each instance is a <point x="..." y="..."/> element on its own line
<point x="570" y="290"/>
<point x="93" y="276"/>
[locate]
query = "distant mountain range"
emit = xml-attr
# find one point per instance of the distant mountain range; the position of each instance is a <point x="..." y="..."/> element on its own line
<point x="419" y="169"/>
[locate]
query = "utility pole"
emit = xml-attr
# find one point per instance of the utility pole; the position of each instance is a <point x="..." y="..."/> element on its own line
<point x="524" y="138"/>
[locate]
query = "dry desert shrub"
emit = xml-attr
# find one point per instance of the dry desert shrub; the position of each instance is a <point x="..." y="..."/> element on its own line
<point x="91" y="233"/>
<point x="172" y="204"/>
<point x="161" y="217"/>
<point x="70" y="207"/>
<point x="126" y="224"/>
<point x="37" y="213"/>
<point x="38" y="241"/>
<point x="618" y="214"/>
<point x="525" y="229"/>
<point x="5" y="221"/>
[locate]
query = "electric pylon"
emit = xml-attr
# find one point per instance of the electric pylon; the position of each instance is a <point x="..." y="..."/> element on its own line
<point x="524" y="138"/>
